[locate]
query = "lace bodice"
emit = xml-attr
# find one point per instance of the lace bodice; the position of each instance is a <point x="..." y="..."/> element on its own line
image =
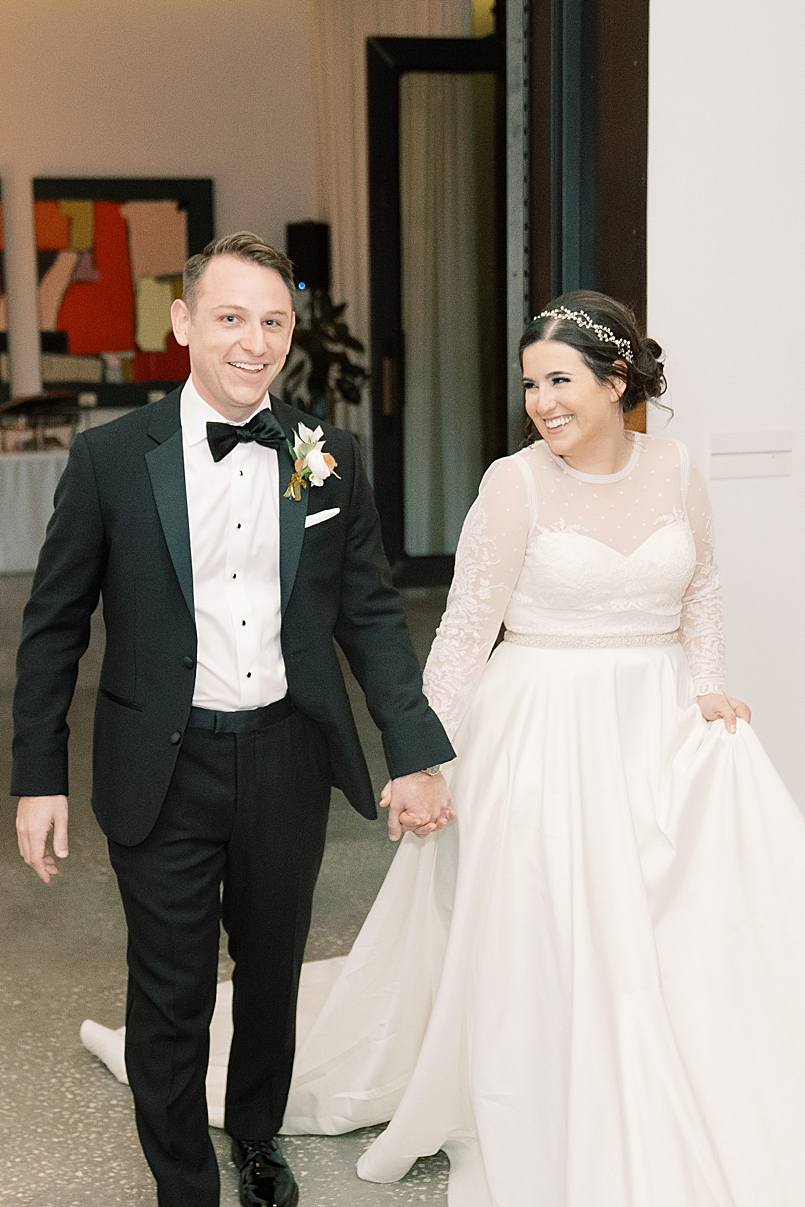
<point x="548" y="550"/>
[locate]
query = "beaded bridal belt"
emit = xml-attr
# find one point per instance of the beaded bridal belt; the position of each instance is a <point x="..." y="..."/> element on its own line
<point x="591" y="641"/>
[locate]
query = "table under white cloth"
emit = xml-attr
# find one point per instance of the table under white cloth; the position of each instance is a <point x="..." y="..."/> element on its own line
<point x="27" y="484"/>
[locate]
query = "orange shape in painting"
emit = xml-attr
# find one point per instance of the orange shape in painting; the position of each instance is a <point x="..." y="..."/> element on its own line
<point x="171" y="365"/>
<point x="52" y="227"/>
<point x="98" y="316"/>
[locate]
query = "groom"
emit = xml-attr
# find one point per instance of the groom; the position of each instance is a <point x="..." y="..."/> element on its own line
<point x="222" y="718"/>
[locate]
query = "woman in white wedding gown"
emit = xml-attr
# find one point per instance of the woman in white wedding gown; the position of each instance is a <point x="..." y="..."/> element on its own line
<point x="590" y="990"/>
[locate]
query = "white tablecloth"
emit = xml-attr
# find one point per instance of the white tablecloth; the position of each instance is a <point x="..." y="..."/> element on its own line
<point x="27" y="483"/>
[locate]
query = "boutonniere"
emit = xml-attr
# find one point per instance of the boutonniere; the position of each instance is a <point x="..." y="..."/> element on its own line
<point x="309" y="462"/>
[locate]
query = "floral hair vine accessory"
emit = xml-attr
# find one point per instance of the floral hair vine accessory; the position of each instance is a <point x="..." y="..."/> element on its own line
<point x="309" y="462"/>
<point x="605" y="334"/>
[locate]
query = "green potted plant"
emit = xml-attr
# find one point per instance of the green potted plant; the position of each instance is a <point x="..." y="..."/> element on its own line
<point x="323" y="371"/>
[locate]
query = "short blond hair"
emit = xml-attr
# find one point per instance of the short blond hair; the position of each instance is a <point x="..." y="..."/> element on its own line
<point x="246" y="246"/>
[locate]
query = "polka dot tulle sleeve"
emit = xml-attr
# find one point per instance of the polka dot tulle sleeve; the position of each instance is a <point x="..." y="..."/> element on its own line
<point x="488" y="563"/>
<point x="701" y="623"/>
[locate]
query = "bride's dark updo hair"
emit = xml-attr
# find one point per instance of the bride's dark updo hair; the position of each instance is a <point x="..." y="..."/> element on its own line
<point x="609" y="339"/>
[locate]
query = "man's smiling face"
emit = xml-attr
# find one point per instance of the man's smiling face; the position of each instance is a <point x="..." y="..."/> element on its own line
<point x="238" y="332"/>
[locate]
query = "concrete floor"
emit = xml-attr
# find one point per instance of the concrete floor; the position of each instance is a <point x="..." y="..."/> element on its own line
<point x="67" y="1135"/>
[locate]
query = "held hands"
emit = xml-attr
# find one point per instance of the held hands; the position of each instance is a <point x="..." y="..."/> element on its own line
<point x="417" y="802"/>
<point x="715" y="706"/>
<point x="36" y="817"/>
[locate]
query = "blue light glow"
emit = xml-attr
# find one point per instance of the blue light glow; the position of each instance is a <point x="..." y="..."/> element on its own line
<point x="302" y="285"/>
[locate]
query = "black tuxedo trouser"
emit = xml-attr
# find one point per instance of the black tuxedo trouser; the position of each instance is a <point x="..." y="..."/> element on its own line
<point x="246" y="811"/>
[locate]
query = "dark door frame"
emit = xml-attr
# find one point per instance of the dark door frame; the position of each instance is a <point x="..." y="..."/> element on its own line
<point x="588" y="148"/>
<point x="585" y="157"/>
<point x="387" y="59"/>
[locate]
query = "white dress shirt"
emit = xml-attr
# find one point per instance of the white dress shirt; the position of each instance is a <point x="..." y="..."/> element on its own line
<point x="233" y="511"/>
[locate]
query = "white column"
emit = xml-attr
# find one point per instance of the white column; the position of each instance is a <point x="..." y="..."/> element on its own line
<point x="21" y="284"/>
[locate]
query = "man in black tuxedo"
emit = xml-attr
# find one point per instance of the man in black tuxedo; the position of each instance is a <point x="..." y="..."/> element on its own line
<point x="222" y="718"/>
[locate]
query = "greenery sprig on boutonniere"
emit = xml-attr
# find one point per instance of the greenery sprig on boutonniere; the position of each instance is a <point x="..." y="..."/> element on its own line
<point x="310" y="463"/>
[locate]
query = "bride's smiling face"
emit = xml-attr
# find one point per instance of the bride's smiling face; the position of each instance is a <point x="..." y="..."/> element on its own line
<point x="571" y="409"/>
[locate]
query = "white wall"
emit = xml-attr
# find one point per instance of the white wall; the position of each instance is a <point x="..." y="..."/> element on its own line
<point x="165" y="88"/>
<point x="161" y="88"/>
<point x="727" y="300"/>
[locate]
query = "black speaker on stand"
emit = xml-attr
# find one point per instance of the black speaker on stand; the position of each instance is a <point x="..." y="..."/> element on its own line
<point x="328" y="373"/>
<point x="308" y="247"/>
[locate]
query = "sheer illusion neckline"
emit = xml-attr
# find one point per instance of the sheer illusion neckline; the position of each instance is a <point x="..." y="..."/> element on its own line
<point x="638" y="443"/>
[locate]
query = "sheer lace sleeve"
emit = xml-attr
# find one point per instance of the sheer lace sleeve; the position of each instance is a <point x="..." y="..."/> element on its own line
<point x="488" y="563"/>
<point x="701" y="628"/>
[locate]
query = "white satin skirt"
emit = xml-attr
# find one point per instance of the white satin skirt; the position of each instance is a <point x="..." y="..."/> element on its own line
<point x="590" y="990"/>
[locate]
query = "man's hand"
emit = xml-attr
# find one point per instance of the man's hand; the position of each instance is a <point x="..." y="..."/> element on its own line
<point x="417" y="802"/>
<point x="36" y="817"/>
<point x="727" y="708"/>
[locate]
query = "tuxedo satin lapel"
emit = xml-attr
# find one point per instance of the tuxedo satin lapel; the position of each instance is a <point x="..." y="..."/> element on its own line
<point x="292" y="527"/>
<point x="166" y="468"/>
<point x="293" y="512"/>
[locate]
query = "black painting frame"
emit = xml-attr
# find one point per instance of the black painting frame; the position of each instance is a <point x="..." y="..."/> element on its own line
<point x="194" y="194"/>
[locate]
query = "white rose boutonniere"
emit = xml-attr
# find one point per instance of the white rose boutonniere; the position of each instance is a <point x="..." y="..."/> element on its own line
<point x="310" y="463"/>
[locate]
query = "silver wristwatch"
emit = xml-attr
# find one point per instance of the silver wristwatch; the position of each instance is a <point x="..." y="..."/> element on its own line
<point x="434" y="770"/>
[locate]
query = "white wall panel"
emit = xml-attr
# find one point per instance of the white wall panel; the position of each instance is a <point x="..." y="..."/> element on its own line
<point x="726" y="251"/>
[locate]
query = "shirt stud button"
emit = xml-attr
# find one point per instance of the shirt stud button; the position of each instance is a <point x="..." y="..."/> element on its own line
<point x="176" y="737"/>
<point x="234" y="576"/>
<point x="243" y="622"/>
<point x="248" y="674"/>
<point x="237" y="525"/>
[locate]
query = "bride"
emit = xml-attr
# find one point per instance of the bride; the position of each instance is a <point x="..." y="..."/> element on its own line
<point x="590" y="990"/>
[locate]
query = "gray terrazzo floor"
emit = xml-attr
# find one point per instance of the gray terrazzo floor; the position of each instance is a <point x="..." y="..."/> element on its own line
<point x="67" y="1135"/>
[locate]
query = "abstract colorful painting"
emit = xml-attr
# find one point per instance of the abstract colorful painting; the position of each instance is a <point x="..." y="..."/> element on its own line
<point x="110" y="255"/>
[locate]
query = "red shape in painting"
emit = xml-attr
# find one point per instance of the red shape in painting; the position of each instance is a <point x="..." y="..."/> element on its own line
<point x="98" y="316"/>
<point x="171" y="365"/>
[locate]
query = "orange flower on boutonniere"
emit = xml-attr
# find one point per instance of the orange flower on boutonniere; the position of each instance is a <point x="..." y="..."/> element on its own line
<point x="310" y="463"/>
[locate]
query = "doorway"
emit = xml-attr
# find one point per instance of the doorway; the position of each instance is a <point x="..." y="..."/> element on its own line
<point x="437" y="264"/>
<point x="576" y="74"/>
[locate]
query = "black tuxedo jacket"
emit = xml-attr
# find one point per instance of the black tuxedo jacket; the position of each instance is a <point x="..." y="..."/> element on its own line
<point x="120" y="531"/>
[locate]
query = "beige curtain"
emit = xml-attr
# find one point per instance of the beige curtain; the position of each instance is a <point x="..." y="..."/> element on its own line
<point x="339" y="32"/>
<point x="442" y="422"/>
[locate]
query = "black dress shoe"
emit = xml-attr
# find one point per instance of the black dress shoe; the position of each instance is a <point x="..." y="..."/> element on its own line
<point x="265" y="1179"/>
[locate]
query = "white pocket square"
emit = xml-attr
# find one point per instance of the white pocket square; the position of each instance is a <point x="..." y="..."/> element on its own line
<point x="319" y="517"/>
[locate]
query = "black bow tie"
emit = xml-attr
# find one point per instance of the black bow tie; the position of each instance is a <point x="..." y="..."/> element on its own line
<point x="264" y="428"/>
